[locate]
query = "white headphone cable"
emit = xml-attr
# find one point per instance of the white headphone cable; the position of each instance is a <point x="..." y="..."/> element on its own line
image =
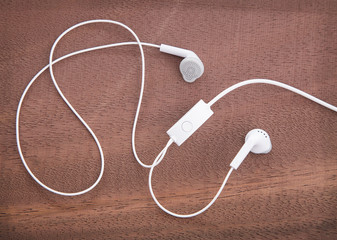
<point x="156" y="162"/>
<point x="275" y="83"/>
<point x="51" y="62"/>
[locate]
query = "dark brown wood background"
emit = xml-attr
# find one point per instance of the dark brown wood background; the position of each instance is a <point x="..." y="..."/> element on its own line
<point x="290" y="193"/>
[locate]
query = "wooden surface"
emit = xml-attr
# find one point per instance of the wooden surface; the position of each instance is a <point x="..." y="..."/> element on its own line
<point x="287" y="194"/>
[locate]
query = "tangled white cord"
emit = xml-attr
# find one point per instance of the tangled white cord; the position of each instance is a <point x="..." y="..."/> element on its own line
<point x="50" y="66"/>
<point x="161" y="155"/>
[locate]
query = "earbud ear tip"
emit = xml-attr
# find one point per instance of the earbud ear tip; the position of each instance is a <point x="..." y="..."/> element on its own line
<point x="262" y="141"/>
<point x="191" y="69"/>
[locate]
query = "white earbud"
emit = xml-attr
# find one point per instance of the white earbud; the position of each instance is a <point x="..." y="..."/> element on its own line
<point x="257" y="141"/>
<point x="191" y="67"/>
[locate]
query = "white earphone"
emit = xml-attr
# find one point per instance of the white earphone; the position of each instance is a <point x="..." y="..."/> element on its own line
<point x="257" y="141"/>
<point x="191" y="68"/>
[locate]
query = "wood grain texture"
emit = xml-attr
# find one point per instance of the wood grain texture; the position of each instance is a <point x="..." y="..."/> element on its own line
<point x="287" y="194"/>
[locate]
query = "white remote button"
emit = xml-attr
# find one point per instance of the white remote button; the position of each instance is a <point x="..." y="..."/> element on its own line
<point x="187" y="126"/>
<point x="190" y="122"/>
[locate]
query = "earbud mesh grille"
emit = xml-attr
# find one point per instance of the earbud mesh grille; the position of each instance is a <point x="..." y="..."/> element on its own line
<point x="191" y="69"/>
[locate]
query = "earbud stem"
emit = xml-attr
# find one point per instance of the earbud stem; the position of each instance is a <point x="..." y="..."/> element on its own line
<point x="180" y="52"/>
<point x="242" y="154"/>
